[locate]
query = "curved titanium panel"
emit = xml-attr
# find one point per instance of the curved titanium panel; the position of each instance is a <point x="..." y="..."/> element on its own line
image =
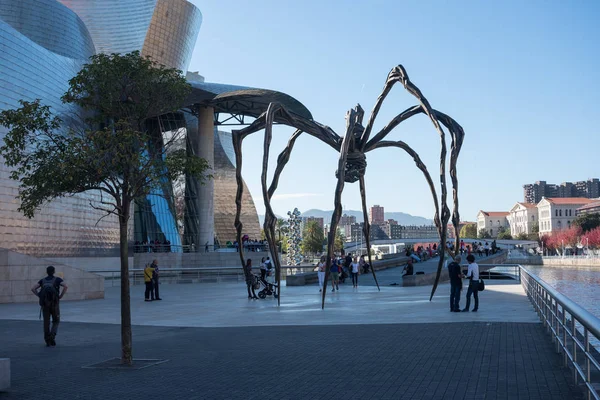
<point x="116" y="26"/>
<point x="225" y="190"/>
<point x="65" y="227"/>
<point x="172" y="34"/>
<point x="49" y="24"/>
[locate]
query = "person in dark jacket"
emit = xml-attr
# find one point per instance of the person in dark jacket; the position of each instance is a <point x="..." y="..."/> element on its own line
<point x="50" y="310"/>
<point x="250" y="279"/>
<point x="455" y="283"/>
<point x="155" y="276"/>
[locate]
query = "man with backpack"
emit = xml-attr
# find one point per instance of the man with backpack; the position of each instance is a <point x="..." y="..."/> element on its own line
<point x="50" y="295"/>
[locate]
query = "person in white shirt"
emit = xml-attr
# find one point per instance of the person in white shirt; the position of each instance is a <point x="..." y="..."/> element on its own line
<point x="473" y="276"/>
<point x="354" y="271"/>
<point x="321" y="272"/>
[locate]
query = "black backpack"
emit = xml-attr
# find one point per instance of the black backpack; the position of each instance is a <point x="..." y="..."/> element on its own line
<point x="49" y="293"/>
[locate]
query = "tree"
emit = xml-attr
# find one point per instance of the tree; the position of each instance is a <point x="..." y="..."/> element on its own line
<point x="340" y="241"/>
<point x="522" y="236"/>
<point x="112" y="150"/>
<point x="312" y="238"/>
<point x="281" y="228"/>
<point x="468" y="231"/>
<point x="587" y="222"/>
<point x="484" y="234"/>
<point x="504" y="235"/>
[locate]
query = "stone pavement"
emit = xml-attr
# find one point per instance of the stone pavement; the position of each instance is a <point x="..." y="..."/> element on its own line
<point x="366" y="344"/>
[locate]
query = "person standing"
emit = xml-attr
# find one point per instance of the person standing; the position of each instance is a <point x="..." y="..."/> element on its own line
<point x="148" y="281"/>
<point x="321" y="272"/>
<point x="335" y="274"/>
<point x="49" y="301"/>
<point x="455" y="283"/>
<point x="155" y="275"/>
<point x="250" y="279"/>
<point x="473" y="276"/>
<point x="263" y="269"/>
<point x="355" y="271"/>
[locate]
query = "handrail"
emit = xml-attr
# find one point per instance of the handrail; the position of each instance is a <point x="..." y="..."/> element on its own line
<point x="552" y="308"/>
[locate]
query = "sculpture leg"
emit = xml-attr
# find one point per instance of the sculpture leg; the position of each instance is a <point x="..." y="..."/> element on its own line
<point x="337" y="211"/>
<point x="367" y="226"/>
<point x="237" y="138"/>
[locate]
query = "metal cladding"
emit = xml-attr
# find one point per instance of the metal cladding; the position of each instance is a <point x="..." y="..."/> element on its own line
<point x="43" y="44"/>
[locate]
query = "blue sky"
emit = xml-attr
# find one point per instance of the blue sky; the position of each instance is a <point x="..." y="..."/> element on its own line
<point x="520" y="77"/>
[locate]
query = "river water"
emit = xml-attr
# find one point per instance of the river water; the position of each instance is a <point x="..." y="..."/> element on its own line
<point x="580" y="285"/>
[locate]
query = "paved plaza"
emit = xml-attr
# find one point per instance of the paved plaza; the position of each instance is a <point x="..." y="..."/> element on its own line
<point x="392" y="344"/>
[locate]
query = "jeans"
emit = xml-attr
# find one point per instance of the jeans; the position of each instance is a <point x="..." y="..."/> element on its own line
<point x="155" y="284"/>
<point x="474" y="290"/>
<point x="354" y="278"/>
<point x="53" y="312"/>
<point x="455" y="290"/>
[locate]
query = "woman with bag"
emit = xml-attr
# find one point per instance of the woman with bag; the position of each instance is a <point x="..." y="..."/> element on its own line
<point x="473" y="276"/>
<point x="250" y="279"/>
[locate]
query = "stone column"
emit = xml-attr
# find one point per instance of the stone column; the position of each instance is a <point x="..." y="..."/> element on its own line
<point x="201" y="142"/>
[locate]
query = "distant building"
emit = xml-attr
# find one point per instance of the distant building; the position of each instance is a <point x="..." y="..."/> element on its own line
<point x="523" y="217"/>
<point x="415" y="232"/>
<point x="591" y="208"/>
<point x="347" y="220"/>
<point x="376" y="215"/>
<point x="533" y="193"/>
<point x="492" y="222"/>
<point x="556" y="214"/>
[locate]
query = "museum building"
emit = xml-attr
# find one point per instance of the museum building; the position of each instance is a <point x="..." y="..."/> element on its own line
<point x="44" y="43"/>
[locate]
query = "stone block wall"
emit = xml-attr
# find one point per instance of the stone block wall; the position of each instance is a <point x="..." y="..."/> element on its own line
<point x="18" y="273"/>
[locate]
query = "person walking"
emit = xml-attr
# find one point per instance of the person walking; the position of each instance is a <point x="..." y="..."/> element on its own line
<point x="473" y="276"/>
<point x="149" y="282"/>
<point x="355" y="271"/>
<point x="50" y="296"/>
<point x="335" y="274"/>
<point x="155" y="276"/>
<point x="250" y="279"/>
<point x="455" y="283"/>
<point x="321" y="272"/>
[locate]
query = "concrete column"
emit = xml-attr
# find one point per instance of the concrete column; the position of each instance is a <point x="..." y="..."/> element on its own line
<point x="205" y="148"/>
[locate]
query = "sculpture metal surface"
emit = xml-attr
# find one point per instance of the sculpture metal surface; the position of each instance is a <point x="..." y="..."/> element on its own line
<point x="352" y="164"/>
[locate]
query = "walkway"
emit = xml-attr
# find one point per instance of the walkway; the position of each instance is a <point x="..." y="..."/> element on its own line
<point x="392" y="344"/>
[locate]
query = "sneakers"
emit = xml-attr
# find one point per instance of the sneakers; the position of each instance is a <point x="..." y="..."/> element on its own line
<point x="158" y="298"/>
<point x="333" y="290"/>
<point x="52" y="342"/>
<point x="147" y="300"/>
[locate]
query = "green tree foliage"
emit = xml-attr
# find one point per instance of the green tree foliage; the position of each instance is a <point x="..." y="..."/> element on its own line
<point x="340" y="241"/>
<point x="110" y="149"/>
<point x="469" y="231"/>
<point x="312" y="238"/>
<point x="281" y="228"/>
<point x="522" y="236"/>
<point x="504" y="235"/>
<point x="484" y="234"/>
<point x="587" y="222"/>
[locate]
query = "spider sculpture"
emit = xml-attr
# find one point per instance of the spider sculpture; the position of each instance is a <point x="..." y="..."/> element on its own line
<point x="352" y="164"/>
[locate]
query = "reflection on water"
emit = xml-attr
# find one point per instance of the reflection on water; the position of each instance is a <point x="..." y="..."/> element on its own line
<point x="580" y="285"/>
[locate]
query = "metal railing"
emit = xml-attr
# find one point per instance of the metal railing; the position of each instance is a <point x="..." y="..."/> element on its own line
<point x="193" y="275"/>
<point x="571" y="327"/>
<point x="501" y="271"/>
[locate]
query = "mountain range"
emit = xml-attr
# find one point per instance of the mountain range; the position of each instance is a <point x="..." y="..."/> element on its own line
<point x="402" y="218"/>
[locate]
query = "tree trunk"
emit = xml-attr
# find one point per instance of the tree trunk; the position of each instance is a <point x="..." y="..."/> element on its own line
<point x="126" y="351"/>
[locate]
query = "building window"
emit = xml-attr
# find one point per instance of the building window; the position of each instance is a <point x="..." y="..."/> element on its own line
<point x="556" y="213"/>
<point x="560" y="213"/>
